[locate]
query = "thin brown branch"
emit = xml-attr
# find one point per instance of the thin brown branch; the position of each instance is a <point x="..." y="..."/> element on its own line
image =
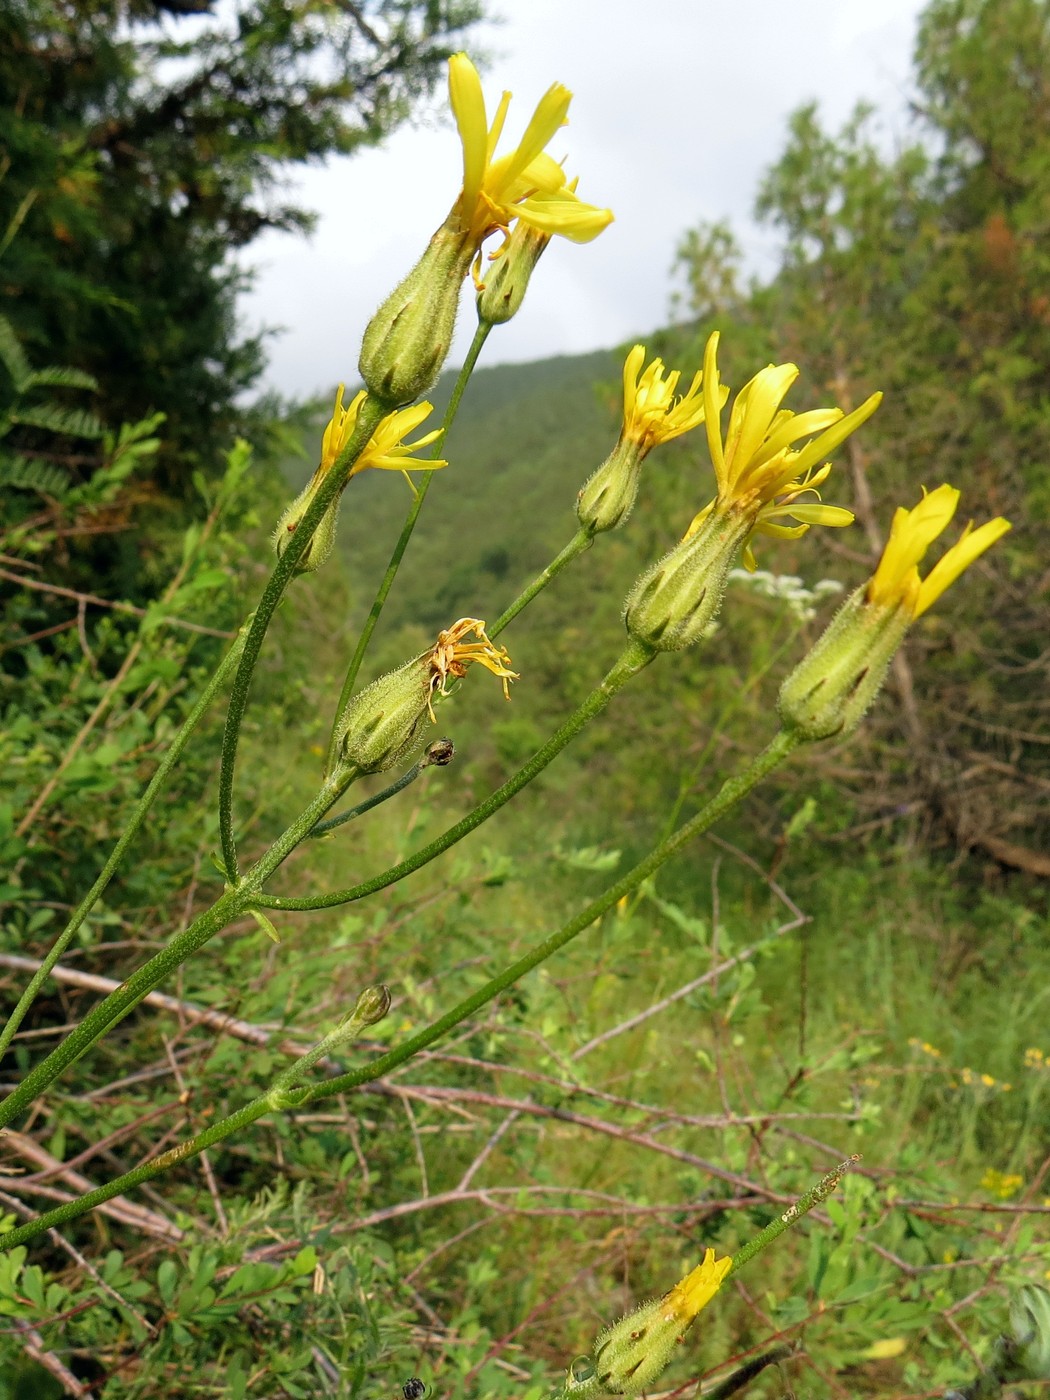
<point x="119" y="1208"/>
<point x="84" y="599"/>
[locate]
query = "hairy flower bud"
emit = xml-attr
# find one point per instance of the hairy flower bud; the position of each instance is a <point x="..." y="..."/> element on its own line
<point x="830" y="690"/>
<point x="674" y="602"/>
<point x="629" y="1356"/>
<point x="608" y="495"/>
<point x="372" y="1005"/>
<point x="385" y="722"/>
<point x="507" y="278"/>
<point x="408" y="338"/>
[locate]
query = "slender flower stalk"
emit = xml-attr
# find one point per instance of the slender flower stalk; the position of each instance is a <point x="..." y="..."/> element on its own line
<point x="731" y="792"/>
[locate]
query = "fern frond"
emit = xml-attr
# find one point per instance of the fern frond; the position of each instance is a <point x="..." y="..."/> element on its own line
<point x="57" y="377"/>
<point x="46" y="477"/>
<point x="13" y="356"/>
<point x="74" y="422"/>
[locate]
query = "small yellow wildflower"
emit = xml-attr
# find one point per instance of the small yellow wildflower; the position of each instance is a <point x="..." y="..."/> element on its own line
<point x="757" y="470"/>
<point x="896" y="582"/>
<point x="630" y="1355"/>
<point x="525" y="184"/>
<point x="696" y="1290"/>
<point x="1035" y="1059"/>
<point x="385" y="449"/>
<point x="651" y="412"/>
<point x="829" y="691"/>
<point x="1002" y="1184"/>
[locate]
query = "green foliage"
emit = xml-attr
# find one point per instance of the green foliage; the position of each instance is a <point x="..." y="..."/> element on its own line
<point x="923" y="273"/>
<point x="144" y="145"/>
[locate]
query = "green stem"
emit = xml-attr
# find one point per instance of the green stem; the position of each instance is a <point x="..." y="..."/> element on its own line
<point x="731" y="792"/>
<point x="372" y="411"/>
<point x="113" y="1008"/>
<point x="792" y="1215"/>
<point x="138" y="816"/>
<point x="323" y="828"/>
<point x="582" y="540"/>
<point x="383" y="592"/>
<point x="633" y="659"/>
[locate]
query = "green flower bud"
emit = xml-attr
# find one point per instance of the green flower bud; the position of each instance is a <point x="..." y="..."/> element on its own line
<point x="1030" y="1320"/>
<point x="408" y="338"/>
<point x="608" y="496"/>
<point x="385" y="723"/>
<point x="674" y="602"/>
<point x="830" y="690"/>
<point x="372" y="1005"/>
<point x="507" y="279"/>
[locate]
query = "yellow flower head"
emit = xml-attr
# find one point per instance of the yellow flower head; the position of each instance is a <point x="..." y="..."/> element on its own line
<point x="385" y="448"/>
<point x="526" y="184"/>
<point x="896" y="581"/>
<point x="451" y="656"/>
<point x="757" y="468"/>
<point x="651" y="413"/>
<point x="697" y="1289"/>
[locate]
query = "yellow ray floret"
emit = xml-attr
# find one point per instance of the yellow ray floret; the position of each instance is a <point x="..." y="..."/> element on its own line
<point x="651" y="412"/>
<point x="385" y="449"/>
<point x="896" y="582"/>
<point x="697" y="1289"/>
<point x="757" y="458"/>
<point x="757" y="469"/>
<point x="526" y="183"/>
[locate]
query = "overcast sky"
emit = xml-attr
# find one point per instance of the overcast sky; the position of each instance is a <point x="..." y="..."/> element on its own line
<point x="678" y="108"/>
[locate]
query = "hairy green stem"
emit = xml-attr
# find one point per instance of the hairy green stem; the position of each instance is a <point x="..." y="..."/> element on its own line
<point x="138" y="816"/>
<point x="792" y="1215"/>
<point x="113" y="1008"/>
<point x="583" y="539"/>
<point x="372" y="411"/>
<point x="731" y="792"/>
<point x="383" y="592"/>
<point x="634" y="658"/>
